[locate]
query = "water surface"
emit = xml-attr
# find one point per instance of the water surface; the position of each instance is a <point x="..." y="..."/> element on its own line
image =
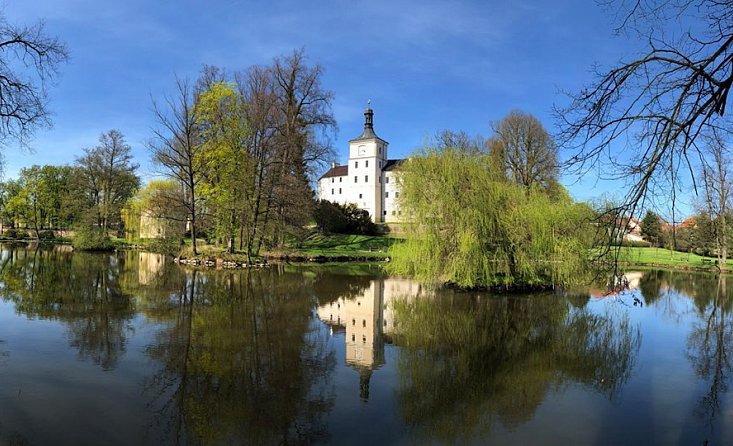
<point x="131" y="349"/>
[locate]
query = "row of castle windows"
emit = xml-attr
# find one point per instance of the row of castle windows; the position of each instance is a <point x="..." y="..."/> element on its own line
<point x="386" y="194"/>
<point x="356" y="178"/>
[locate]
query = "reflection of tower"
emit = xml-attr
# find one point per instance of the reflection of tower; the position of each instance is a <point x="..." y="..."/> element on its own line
<point x="365" y="319"/>
<point x="149" y="266"/>
<point x="364" y="344"/>
<point x="361" y="317"/>
<point x="364" y="376"/>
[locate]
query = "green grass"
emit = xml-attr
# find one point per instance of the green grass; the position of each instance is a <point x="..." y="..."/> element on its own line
<point x="335" y="245"/>
<point x="661" y="256"/>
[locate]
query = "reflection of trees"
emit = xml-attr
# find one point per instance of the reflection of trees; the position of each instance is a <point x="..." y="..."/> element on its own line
<point x="708" y="345"/>
<point x="467" y="362"/>
<point x="242" y="361"/>
<point x="81" y="290"/>
<point x="3" y="353"/>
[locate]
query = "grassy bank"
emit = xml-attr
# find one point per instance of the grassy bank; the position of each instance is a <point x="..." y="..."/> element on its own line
<point x="338" y="245"/>
<point x="667" y="258"/>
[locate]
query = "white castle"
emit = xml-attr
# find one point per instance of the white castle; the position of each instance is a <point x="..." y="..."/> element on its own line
<point x="369" y="179"/>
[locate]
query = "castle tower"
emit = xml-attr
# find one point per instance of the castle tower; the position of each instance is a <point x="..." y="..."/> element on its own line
<point x="367" y="157"/>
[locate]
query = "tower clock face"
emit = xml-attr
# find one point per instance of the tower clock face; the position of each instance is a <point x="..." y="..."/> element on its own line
<point x="362" y="150"/>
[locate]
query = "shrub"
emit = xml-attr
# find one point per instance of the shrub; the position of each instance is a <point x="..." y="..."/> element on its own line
<point x="87" y="239"/>
<point x="16" y="234"/>
<point x="169" y="246"/>
<point x="46" y="236"/>
<point x="343" y="219"/>
<point x="634" y="243"/>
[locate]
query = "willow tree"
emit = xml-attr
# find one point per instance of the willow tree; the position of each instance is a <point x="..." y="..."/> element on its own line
<point x="472" y="227"/>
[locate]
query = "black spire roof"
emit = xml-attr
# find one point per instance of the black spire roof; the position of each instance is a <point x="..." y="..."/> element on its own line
<point x="368" y="132"/>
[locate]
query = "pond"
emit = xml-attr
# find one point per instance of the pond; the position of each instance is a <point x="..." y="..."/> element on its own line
<point x="129" y="348"/>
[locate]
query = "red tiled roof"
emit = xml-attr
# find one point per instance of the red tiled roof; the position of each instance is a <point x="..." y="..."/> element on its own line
<point x="336" y="171"/>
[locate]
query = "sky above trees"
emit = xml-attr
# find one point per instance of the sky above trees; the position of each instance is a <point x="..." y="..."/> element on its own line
<point x="426" y="65"/>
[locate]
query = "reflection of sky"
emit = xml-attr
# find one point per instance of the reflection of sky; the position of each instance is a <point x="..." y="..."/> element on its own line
<point x="47" y="391"/>
<point x="48" y="394"/>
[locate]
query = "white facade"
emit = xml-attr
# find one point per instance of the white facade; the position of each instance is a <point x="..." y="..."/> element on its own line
<point x="369" y="178"/>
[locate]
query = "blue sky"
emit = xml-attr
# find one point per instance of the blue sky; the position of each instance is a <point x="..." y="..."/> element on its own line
<point x="426" y="65"/>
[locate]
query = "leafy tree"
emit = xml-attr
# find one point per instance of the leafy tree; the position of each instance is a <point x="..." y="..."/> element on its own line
<point x="526" y="151"/>
<point x="651" y="227"/>
<point x="8" y="212"/>
<point x="226" y="187"/>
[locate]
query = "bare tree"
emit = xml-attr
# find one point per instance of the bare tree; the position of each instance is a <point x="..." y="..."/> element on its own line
<point x="29" y="59"/>
<point x="716" y="180"/>
<point x="525" y="149"/>
<point x="176" y="146"/>
<point x="108" y="177"/>
<point x="303" y="136"/>
<point x="460" y="140"/>
<point x="657" y="104"/>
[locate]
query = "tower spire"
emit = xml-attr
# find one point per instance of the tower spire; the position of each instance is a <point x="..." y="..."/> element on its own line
<point x="369" y="118"/>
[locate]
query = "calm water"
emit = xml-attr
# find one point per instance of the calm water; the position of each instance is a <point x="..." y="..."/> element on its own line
<point x="132" y="349"/>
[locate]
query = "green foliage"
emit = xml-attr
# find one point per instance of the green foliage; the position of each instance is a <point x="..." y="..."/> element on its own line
<point x="47" y="236"/>
<point x="474" y="228"/>
<point x="651" y="227"/>
<point x="17" y="234"/>
<point x="343" y="219"/>
<point x="634" y="243"/>
<point x="91" y="239"/>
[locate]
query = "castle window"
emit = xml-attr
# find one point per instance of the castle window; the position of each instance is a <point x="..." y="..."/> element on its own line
<point x="331" y="191"/>
<point x="386" y="195"/>
<point x="366" y="178"/>
<point x="340" y="178"/>
<point x="380" y="150"/>
<point x="385" y="212"/>
<point x="386" y="180"/>
<point x="359" y="195"/>
<point x="366" y="163"/>
<point x="379" y="180"/>
<point x="356" y="179"/>
<point x="356" y="164"/>
<point x="333" y="179"/>
<point x="393" y="212"/>
<point x="353" y="338"/>
<point x="397" y="195"/>
<point x="363" y="323"/>
<point x="339" y="191"/>
<point x="353" y="322"/>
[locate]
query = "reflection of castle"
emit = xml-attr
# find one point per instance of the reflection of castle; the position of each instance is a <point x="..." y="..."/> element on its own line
<point x="150" y="266"/>
<point x="366" y="319"/>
